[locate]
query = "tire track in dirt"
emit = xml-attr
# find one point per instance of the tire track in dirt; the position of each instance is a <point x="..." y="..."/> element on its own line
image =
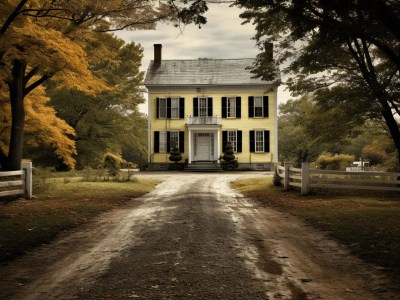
<point x="296" y="261"/>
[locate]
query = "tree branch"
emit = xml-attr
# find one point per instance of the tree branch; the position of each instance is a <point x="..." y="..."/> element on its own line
<point x="36" y="84"/>
<point x="12" y="17"/>
<point x="30" y="74"/>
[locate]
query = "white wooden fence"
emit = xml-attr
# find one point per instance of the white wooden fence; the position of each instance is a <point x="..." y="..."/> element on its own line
<point x="306" y="178"/>
<point x="18" y="182"/>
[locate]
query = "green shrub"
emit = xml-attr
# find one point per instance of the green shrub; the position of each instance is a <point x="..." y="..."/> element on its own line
<point x="229" y="158"/>
<point x="175" y="155"/>
<point x="112" y="163"/>
<point x="330" y="161"/>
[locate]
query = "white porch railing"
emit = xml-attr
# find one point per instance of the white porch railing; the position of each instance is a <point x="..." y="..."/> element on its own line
<point x="214" y="120"/>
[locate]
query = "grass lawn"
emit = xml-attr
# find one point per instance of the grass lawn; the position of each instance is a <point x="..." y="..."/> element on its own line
<point x="25" y="224"/>
<point x="368" y="222"/>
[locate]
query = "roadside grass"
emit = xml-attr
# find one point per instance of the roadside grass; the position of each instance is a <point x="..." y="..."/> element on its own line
<point x="368" y="222"/>
<point x="25" y="224"/>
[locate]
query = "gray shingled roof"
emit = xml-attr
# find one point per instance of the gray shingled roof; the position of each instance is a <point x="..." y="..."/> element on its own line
<point x="202" y="72"/>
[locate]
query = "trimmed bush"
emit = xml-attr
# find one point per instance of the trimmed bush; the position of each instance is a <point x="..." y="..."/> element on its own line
<point x="229" y="158"/>
<point x="329" y="161"/>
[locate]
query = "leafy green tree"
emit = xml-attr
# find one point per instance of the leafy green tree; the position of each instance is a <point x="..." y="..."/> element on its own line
<point x="302" y="134"/>
<point x="381" y="152"/>
<point x="111" y="120"/>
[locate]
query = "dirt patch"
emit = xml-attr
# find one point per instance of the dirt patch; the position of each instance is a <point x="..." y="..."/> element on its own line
<point x="193" y="238"/>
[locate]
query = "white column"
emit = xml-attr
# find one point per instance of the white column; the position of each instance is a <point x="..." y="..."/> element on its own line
<point x="190" y="146"/>
<point x="276" y="155"/>
<point x="218" y="144"/>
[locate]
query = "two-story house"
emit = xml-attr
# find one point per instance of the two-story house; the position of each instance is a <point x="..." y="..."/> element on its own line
<point x="199" y="105"/>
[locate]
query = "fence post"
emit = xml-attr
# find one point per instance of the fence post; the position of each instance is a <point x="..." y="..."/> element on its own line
<point x="305" y="178"/>
<point x="286" y="177"/>
<point x="27" y="167"/>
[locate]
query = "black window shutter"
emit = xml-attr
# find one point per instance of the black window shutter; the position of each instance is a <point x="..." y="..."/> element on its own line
<point x="239" y="141"/>
<point x="168" y="108"/>
<point x="158" y="107"/>
<point x="195" y="107"/>
<point x="181" y="108"/>
<point x="224" y="139"/>
<point x="251" y="106"/>
<point x="266" y="140"/>
<point x="224" y="105"/>
<point x="265" y="105"/>
<point x="238" y="107"/>
<point x="252" y="142"/>
<point x="181" y="141"/>
<point x="210" y="107"/>
<point x="168" y="141"/>
<point x="156" y="141"/>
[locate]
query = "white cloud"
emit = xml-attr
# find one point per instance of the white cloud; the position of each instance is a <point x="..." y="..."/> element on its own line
<point x="222" y="37"/>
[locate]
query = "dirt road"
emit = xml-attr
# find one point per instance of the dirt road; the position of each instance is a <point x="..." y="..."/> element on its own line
<point x="193" y="238"/>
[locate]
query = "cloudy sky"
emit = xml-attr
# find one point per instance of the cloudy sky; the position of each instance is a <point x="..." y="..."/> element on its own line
<point x="222" y="37"/>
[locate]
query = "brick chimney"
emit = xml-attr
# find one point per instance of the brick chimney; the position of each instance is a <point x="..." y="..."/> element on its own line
<point x="157" y="54"/>
<point x="269" y="50"/>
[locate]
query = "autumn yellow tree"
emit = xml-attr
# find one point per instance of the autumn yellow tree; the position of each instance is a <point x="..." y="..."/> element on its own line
<point x="42" y="40"/>
<point x="43" y="127"/>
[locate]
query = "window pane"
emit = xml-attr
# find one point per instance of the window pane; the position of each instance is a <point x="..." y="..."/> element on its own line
<point x="175" y="108"/>
<point x="163" y="142"/>
<point x="259" y="140"/>
<point x="162" y="109"/>
<point x="174" y="139"/>
<point x="232" y="137"/>
<point x="203" y="107"/>
<point x="231" y="107"/>
<point x="258" y="107"/>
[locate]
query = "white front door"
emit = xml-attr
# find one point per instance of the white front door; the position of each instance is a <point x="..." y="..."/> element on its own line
<point x="203" y="146"/>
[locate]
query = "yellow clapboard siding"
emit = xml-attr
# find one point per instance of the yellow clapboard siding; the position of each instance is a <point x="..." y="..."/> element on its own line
<point x="244" y="123"/>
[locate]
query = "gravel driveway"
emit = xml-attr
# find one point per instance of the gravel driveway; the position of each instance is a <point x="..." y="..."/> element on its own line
<point x="193" y="238"/>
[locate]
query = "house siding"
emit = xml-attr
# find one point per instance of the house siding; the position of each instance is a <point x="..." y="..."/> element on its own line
<point x="244" y="123"/>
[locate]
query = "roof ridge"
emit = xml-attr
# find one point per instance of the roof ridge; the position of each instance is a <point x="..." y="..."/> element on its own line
<point x="206" y="58"/>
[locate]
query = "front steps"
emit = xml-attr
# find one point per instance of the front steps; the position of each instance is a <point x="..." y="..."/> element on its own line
<point x="203" y="166"/>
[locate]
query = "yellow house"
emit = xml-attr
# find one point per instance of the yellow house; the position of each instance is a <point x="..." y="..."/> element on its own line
<point x="200" y="105"/>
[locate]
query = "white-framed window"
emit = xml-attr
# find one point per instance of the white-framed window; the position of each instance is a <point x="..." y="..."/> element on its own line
<point x="203" y="107"/>
<point x="258" y="107"/>
<point x="162" y="108"/>
<point x="259" y="140"/>
<point x="232" y="138"/>
<point x="174" y="108"/>
<point x="231" y="107"/>
<point x="174" y="139"/>
<point x="163" y="142"/>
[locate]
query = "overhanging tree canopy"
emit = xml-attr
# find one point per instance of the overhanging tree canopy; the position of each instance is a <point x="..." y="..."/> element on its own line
<point x="344" y="51"/>
<point x="42" y="39"/>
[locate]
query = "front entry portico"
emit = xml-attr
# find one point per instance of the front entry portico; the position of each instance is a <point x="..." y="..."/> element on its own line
<point x="204" y="142"/>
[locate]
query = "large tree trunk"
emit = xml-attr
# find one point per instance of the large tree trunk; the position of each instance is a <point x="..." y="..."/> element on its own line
<point x="393" y="127"/>
<point x="17" y="94"/>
